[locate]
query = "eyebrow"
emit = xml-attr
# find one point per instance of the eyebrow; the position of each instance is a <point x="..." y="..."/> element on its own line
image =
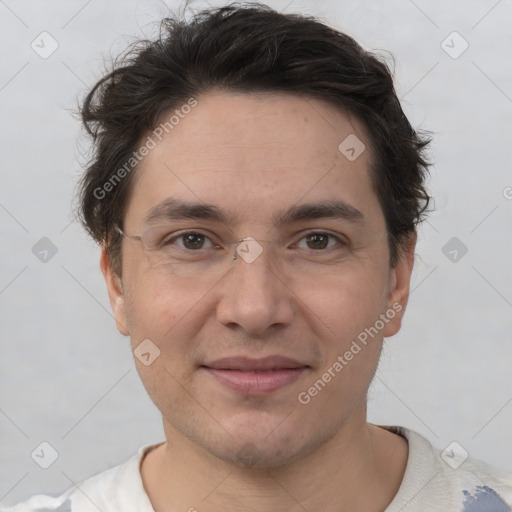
<point x="175" y="209"/>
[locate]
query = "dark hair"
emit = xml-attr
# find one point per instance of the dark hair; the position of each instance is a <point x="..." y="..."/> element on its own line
<point x="246" y="48"/>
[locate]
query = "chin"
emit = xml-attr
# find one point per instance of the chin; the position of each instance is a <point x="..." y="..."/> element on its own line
<point x="252" y="455"/>
<point x="264" y="451"/>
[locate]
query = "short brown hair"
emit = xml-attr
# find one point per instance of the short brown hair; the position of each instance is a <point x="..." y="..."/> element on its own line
<point x="247" y="48"/>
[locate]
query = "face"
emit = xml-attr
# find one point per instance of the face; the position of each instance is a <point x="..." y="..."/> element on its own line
<point x="302" y="310"/>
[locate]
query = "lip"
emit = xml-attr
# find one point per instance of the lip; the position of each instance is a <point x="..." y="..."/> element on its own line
<point x="255" y="376"/>
<point x="247" y="364"/>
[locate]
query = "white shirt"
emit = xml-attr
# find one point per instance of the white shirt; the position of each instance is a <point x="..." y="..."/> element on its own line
<point x="430" y="484"/>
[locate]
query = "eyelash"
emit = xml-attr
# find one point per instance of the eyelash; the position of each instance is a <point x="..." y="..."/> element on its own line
<point x="183" y="234"/>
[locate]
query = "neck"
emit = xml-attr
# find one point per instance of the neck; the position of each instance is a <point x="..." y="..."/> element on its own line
<point x="359" y="468"/>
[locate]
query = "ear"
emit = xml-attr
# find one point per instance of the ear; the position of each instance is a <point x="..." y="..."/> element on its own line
<point x="399" y="284"/>
<point x="115" y="292"/>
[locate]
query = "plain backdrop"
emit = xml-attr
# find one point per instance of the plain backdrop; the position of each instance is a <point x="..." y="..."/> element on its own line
<point x="68" y="377"/>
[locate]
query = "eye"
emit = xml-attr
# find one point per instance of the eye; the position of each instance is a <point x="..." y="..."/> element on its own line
<point x="318" y="240"/>
<point x="192" y="240"/>
<point x="195" y="241"/>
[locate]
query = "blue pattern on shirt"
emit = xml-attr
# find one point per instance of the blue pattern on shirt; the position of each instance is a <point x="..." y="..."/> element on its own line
<point x="484" y="500"/>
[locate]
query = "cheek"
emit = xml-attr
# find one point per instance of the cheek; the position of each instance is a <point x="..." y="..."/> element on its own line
<point x="341" y="385"/>
<point x="158" y="314"/>
<point x="352" y="333"/>
<point x="165" y="311"/>
<point x="347" y="300"/>
<point x="156" y="302"/>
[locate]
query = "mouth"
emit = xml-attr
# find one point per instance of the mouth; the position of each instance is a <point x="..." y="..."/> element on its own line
<point x="255" y="376"/>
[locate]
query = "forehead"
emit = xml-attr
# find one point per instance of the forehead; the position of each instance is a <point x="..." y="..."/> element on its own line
<point x="255" y="153"/>
<point x="278" y="127"/>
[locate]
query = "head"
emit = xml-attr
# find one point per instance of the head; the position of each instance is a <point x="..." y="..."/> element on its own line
<point x="255" y="116"/>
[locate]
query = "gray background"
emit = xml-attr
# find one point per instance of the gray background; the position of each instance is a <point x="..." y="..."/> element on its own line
<point x="68" y="377"/>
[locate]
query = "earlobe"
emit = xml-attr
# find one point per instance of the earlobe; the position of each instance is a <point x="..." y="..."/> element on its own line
<point x="400" y="280"/>
<point x="115" y="292"/>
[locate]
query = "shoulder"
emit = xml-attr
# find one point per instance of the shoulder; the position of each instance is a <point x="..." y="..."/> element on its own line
<point x="118" y="488"/>
<point x="449" y="480"/>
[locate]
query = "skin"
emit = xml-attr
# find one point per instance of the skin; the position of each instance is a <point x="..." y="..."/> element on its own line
<point x="270" y="152"/>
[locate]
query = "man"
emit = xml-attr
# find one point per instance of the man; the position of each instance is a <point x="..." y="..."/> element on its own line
<point x="256" y="189"/>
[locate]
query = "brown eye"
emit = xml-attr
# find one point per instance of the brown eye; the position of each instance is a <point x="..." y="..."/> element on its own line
<point x="189" y="240"/>
<point x="317" y="240"/>
<point x="193" y="240"/>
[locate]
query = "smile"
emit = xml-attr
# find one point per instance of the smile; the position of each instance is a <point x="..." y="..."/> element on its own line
<point x="256" y="382"/>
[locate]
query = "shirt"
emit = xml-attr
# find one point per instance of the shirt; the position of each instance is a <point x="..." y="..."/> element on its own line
<point x="433" y="481"/>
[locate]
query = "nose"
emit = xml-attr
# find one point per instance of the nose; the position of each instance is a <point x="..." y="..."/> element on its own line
<point x="254" y="295"/>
